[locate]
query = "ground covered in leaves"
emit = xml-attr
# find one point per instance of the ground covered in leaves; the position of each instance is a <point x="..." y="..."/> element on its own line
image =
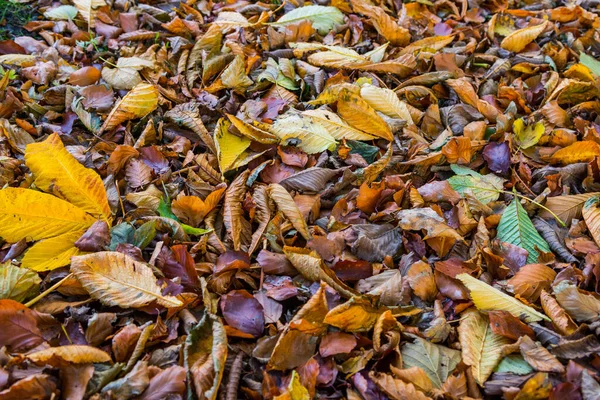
<point x="249" y="200"/>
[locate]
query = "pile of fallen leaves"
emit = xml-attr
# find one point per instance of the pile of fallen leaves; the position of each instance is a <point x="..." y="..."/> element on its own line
<point x="249" y="200"/>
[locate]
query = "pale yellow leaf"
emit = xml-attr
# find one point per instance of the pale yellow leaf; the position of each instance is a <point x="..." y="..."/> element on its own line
<point x="386" y="101"/>
<point x="487" y="298"/>
<point x="56" y="171"/>
<point x="396" y="389"/>
<point x="429" y="44"/>
<point x="87" y="9"/>
<point x="32" y="215"/>
<point x="591" y="216"/>
<point x="17" y="59"/>
<point x="116" y="279"/>
<point x="312" y="137"/>
<point x="481" y="347"/>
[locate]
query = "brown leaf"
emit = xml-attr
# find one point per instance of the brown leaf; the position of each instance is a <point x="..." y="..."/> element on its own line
<point x="312" y="267"/>
<point x="539" y="357"/>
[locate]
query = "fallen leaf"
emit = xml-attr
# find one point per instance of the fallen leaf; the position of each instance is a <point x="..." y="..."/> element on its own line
<point x="118" y="280"/>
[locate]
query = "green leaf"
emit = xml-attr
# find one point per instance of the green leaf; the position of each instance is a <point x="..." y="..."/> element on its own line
<point x="437" y="361"/>
<point x="144" y="234"/>
<point x="323" y="18"/>
<point x="122" y="233"/>
<point x="190" y="230"/>
<point x="61" y="12"/>
<point x="516" y="228"/>
<point x="18" y="284"/>
<point x="164" y="209"/>
<point x="514" y="364"/>
<point x="367" y="151"/>
<point x="485" y="188"/>
<point x="590" y="62"/>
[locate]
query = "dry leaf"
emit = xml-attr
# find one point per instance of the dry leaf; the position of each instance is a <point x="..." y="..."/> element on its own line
<point x="139" y="102"/>
<point x="118" y="280"/>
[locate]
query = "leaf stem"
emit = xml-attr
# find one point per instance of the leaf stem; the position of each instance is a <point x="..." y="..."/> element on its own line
<point x="47" y="291"/>
<point x="560" y="221"/>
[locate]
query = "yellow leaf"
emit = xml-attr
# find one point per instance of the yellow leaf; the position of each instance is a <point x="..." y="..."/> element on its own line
<point x="285" y="203"/>
<point x="335" y="125"/>
<point x="116" y="279"/>
<point x="57" y="172"/>
<point x="527" y="136"/>
<point x="519" y="39"/>
<point x="295" y="390"/>
<point x="487" y="298"/>
<point x="230" y="147"/>
<point x="28" y="214"/>
<point x="52" y="253"/>
<point x="386" y="101"/>
<point x="337" y="57"/>
<point x="139" y="102"/>
<point x="71" y="354"/>
<point x="19" y="60"/>
<point x="355" y="315"/>
<point x="358" y="113"/>
<point x="584" y="151"/>
<point x="481" y="347"/>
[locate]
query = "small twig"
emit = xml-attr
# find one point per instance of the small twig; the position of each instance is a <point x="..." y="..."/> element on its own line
<point x="47" y="291"/>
